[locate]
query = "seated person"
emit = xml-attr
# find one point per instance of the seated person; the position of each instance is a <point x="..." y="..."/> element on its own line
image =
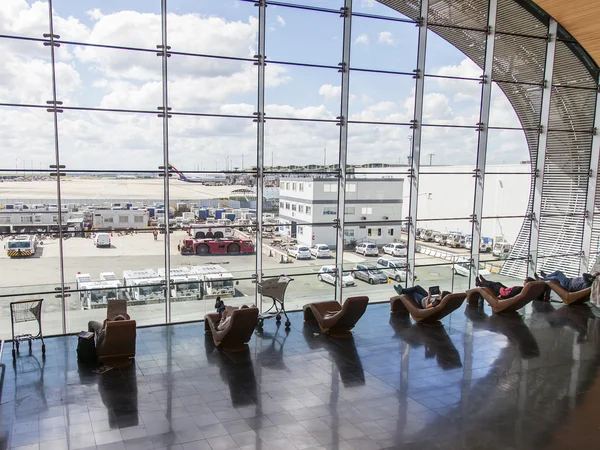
<point x="226" y="312"/>
<point x="570" y="284"/>
<point x="423" y="298"/>
<point x="99" y="328"/>
<point x="499" y="289"/>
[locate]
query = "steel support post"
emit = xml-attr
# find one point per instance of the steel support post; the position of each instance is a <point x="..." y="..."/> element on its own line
<point x="538" y="175"/>
<point x="166" y="169"/>
<point x="482" y="143"/>
<point x="588" y="256"/>
<point x="346" y="14"/>
<point x="260" y="142"/>
<point x="416" y="141"/>
<point x="54" y="110"/>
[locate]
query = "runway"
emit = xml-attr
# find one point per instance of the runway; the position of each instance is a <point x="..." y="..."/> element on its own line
<point x="92" y="188"/>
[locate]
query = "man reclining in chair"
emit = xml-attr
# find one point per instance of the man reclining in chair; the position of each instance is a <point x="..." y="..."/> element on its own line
<point x="226" y="312"/>
<point x="570" y="284"/>
<point x="423" y="298"/>
<point x="500" y="290"/>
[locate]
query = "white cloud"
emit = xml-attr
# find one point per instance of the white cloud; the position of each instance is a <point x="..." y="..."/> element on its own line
<point x="367" y="3"/>
<point x="386" y="38"/>
<point x="362" y="39"/>
<point x="330" y="92"/>
<point x="95" y="14"/>
<point x="281" y="21"/>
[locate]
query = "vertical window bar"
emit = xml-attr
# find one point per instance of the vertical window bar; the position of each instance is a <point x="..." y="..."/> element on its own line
<point x="343" y="149"/>
<point x="260" y="143"/>
<point x="482" y="144"/>
<point x="61" y="262"/>
<point x="165" y="117"/>
<point x="416" y="141"/>
<point x="538" y="179"/>
<point x="586" y="262"/>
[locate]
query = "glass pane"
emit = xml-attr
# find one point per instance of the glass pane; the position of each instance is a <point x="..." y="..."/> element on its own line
<point x="505" y="247"/>
<point x="509" y="149"/>
<point x="224" y="28"/>
<point x="445" y="196"/>
<point x="452" y="101"/>
<point x="448" y="146"/>
<point x="388" y="146"/>
<point x="502" y="112"/>
<point x="507" y="194"/>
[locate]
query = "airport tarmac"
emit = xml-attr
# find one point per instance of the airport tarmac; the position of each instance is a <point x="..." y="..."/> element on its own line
<point x="73" y="188"/>
<point x="40" y="274"/>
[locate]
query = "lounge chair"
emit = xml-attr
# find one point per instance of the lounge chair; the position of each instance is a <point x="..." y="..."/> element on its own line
<point x="531" y="291"/>
<point x="405" y="303"/>
<point x="117" y="349"/>
<point x="237" y="333"/>
<point x="335" y="319"/>
<point x="570" y="298"/>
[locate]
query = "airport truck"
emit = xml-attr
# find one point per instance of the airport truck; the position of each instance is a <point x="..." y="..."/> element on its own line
<point x="216" y="246"/>
<point x="215" y="280"/>
<point x="144" y="286"/>
<point x="21" y="245"/>
<point x="96" y="293"/>
<point x="185" y="284"/>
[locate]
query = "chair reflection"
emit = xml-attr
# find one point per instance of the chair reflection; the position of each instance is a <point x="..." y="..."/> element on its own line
<point x="237" y="370"/>
<point x="435" y="340"/>
<point x="271" y="347"/>
<point x="342" y="351"/>
<point x="513" y="327"/>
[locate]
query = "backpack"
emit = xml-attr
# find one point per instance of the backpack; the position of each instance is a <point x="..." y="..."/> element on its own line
<point x="86" y="350"/>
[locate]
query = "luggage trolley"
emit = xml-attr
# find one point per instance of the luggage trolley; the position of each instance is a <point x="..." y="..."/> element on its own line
<point x="274" y="288"/>
<point x="26" y="311"/>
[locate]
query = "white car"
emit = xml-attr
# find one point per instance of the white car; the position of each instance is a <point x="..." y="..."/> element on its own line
<point x="395" y="270"/>
<point x="299" y="251"/>
<point x="328" y="274"/>
<point x="396" y="249"/>
<point x="463" y="268"/>
<point x="102" y="240"/>
<point x="320" y="251"/>
<point x="367" y="249"/>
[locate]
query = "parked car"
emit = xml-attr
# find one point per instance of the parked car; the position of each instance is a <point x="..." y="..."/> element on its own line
<point x="320" y="251"/>
<point x="102" y="240"/>
<point x="299" y="251"/>
<point x="395" y="249"/>
<point x="456" y="241"/>
<point x="369" y="273"/>
<point x="464" y="267"/>
<point x="394" y="270"/>
<point x="367" y="249"/>
<point x="329" y="274"/>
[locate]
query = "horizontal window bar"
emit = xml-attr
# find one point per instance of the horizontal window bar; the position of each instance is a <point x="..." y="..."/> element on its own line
<point x="388" y="72"/>
<point x="299" y="64"/>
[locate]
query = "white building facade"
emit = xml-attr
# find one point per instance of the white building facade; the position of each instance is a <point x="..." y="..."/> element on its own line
<point x="308" y="208"/>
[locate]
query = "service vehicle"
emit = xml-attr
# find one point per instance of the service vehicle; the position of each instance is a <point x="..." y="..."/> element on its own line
<point x="215" y="280"/>
<point x="367" y="249"/>
<point x="96" y="293"/>
<point x="144" y="286"/>
<point x="463" y="267"/>
<point x="320" y="251"/>
<point x="369" y="273"/>
<point x="209" y="231"/>
<point x="102" y="240"/>
<point x="185" y="285"/>
<point x="394" y="269"/>
<point x="216" y="246"/>
<point x="455" y="240"/>
<point x="395" y="249"/>
<point x="429" y="235"/>
<point x="243" y="224"/>
<point x="501" y="249"/>
<point x="299" y="252"/>
<point x="329" y="274"/>
<point x="21" y="245"/>
<point x="487" y="245"/>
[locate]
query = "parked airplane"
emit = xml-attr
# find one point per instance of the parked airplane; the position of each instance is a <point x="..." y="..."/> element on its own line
<point x="208" y="180"/>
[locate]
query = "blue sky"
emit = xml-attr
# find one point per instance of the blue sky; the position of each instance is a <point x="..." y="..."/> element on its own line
<point x="95" y="77"/>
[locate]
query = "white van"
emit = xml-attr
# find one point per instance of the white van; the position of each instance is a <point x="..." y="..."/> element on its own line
<point x="102" y="240"/>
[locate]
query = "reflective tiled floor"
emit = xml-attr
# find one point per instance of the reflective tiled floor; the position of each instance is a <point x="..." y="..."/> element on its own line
<point x="481" y="382"/>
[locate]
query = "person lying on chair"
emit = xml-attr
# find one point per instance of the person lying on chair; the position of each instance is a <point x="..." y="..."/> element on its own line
<point x="570" y="284"/>
<point x="500" y="290"/>
<point x="226" y="312"/>
<point x="423" y="298"/>
<point x="99" y="328"/>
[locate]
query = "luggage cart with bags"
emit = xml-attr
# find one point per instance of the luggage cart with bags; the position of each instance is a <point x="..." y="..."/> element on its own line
<point x="274" y="288"/>
<point x="26" y="311"/>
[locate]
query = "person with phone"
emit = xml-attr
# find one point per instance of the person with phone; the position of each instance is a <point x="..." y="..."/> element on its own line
<point x="425" y="299"/>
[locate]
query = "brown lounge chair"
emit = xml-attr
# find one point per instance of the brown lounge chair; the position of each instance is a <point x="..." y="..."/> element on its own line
<point x="570" y="298"/>
<point x="117" y="349"/>
<point x="531" y="291"/>
<point x="335" y="319"/>
<point x="238" y="332"/>
<point x="405" y="303"/>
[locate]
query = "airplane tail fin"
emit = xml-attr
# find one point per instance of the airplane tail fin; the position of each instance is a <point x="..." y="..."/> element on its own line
<point x="182" y="177"/>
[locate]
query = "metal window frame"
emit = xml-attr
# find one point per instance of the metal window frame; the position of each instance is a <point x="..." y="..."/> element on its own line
<point x="416" y="141"/>
<point x="482" y="144"/>
<point x="538" y="176"/>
